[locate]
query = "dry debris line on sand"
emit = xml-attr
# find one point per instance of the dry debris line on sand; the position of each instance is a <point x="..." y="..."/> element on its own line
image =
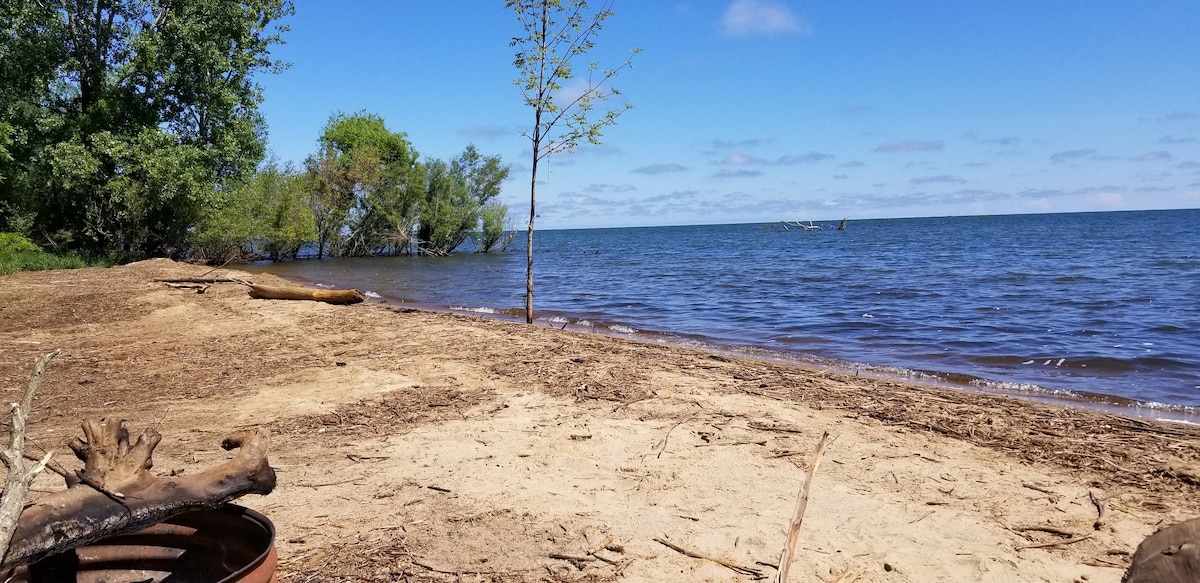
<point x="1125" y="450"/>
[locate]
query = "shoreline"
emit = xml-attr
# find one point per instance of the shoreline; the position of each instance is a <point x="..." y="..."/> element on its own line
<point x="544" y="441"/>
<point x="971" y="382"/>
<point x="1099" y="402"/>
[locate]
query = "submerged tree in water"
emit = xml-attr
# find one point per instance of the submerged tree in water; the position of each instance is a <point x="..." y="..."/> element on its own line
<point x="364" y="184"/>
<point x="455" y="197"/>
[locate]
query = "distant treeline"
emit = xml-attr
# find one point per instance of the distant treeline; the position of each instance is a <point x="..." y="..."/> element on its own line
<point x="130" y="129"/>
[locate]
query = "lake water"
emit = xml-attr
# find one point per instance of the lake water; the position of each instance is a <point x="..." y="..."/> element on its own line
<point x="1098" y="307"/>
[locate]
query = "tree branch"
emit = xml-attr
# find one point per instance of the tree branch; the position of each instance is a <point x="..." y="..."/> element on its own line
<point x="20" y="474"/>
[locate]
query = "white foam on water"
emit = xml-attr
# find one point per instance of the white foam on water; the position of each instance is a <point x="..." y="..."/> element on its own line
<point x="479" y="310"/>
<point x="622" y="329"/>
<point x="371" y="294"/>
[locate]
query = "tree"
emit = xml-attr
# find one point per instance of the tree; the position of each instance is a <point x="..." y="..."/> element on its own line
<point x="264" y="215"/>
<point x="455" y="195"/>
<point x="494" y="228"/>
<point x="121" y="119"/>
<point x="556" y="33"/>
<point x="365" y="184"/>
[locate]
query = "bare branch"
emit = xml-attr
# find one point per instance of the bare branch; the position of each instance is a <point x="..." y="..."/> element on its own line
<point x="20" y="474"/>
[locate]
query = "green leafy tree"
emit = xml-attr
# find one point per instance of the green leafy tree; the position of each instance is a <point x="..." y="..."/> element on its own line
<point x="556" y="32"/>
<point x="264" y="215"/>
<point x="495" y="230"/>
<point x="454" y="197"/>
<point x="124" y="118"/>
<point x="287" y="222"/>
<point x="365" y="184"/>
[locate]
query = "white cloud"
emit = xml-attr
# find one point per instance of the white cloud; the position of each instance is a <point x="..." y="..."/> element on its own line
<point x="1108" y="199"/>
<point x="741" y="160"/>
<point x="761" y="18"/>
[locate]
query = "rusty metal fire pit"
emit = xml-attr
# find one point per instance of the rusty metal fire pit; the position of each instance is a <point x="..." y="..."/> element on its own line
<point x="218" y="546"/>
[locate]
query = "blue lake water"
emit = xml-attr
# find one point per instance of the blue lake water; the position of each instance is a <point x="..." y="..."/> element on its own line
<point x="1100" y="307"/>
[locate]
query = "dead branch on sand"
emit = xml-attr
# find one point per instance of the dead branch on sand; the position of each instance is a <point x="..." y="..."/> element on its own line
<point x="789" y="549"/>
<point x="697" y="555"/>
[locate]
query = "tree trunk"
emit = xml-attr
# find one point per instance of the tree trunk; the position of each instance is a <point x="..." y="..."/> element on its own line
<point x="329" y="296"/>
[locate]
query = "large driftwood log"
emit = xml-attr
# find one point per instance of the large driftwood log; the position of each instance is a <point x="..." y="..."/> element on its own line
<point x="118" y="494"/>
<point x="329" y="296"/>
<point x="1171" y="555"/>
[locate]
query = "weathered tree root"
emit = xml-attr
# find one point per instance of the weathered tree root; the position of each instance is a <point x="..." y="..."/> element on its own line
<point x="118" y="494"/>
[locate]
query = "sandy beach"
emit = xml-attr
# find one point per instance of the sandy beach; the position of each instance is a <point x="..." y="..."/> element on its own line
<point x="423" y="446"/>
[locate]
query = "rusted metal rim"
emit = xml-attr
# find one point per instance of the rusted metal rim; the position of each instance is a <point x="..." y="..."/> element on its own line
<point x="228" y="545"/>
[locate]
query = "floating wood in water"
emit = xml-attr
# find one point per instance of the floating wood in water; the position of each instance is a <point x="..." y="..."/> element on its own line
<point x="329" y="296"/>
<point x="842" y="226"/>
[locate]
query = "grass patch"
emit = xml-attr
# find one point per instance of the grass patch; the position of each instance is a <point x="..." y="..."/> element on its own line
<point x="20" y="254"/>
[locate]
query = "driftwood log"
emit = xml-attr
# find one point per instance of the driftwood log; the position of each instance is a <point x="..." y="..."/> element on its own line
<point x="1171" y="555"/>
<point x="329" y="296"/>
<point x="118" y="494"/>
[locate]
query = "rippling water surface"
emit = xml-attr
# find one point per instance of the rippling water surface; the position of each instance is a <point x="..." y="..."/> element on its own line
<point x="1097" y="306"/>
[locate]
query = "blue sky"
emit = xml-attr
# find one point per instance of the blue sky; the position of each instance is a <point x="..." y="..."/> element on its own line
<point x="765" y="110"/>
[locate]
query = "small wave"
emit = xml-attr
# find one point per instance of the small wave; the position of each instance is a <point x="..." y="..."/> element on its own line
<point x="1011" y="387"/>
<point x="479" y="310"/>
<point x="371" y="294"/>
<point x="620" y="329"/>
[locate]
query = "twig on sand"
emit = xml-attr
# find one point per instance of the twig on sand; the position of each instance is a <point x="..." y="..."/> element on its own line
<point x="789" y="549"/>
<point x="1060" y="543"/>
<point x="771" y="427"/>
<point x="727" y="564"/>
<point x="732" y="443"/>
<point x="1049" y="529"/>
<point x="20" y="473"/>
<point x="202" y="280"/>
<point x="1100" y="510"/>
<point x="850" y="575"/>
<point x="1041" y="489"/>
<point x="662" y="445"/>
<point x="444" y="571"/>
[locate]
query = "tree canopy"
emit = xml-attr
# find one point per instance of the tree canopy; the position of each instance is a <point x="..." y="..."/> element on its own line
<point x="130" y="128"/>
<point x="121" y="119"/>
<point x="365" y="180"/>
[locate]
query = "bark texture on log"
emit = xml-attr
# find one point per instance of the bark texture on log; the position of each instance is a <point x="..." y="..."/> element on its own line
<point x="329" y="296"/>
<point x="118" y="494"/>
<point x="1171" y="555"/>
